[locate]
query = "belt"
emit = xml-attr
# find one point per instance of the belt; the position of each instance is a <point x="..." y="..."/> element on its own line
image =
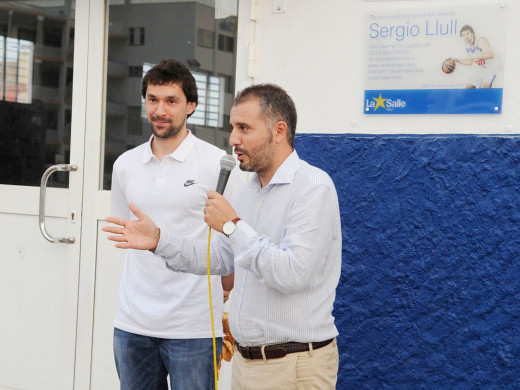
<point x="276" y="351"/>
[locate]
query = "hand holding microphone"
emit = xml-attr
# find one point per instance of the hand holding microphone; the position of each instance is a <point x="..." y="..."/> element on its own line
<point x="218" y="210"/>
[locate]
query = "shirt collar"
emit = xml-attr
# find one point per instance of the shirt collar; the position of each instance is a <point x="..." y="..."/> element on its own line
<point x="285" y="172"/>
<point x="180" y="154"/>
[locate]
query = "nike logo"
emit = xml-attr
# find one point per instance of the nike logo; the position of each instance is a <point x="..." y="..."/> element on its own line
<point x="189" y="183"/>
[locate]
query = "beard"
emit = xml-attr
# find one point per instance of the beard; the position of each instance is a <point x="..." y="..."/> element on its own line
<point x="171" y="131"/>
<point x="259" y="157"/>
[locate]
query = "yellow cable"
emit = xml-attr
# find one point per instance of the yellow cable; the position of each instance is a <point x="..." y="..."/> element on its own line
<point x="212" y="320"/>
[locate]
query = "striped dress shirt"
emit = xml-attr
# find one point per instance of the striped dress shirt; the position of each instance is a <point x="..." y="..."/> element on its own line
<point x="286" y="254"/>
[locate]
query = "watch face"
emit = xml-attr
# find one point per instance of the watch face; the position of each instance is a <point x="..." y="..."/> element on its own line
<point x="228" y="228"/>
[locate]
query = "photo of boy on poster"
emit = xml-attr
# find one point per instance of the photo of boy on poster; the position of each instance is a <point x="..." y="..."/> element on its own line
<point x="479" y="55"/>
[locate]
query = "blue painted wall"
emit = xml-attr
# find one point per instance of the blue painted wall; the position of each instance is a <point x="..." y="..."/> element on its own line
<point x="429" y="296"/>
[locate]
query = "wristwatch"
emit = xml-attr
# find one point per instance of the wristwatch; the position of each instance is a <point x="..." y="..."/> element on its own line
<point x="230" y="226"/>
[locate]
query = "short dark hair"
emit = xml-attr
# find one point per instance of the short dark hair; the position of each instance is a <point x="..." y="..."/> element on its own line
<point x="172" y="72"/>
<point x="466" y="27"/>
<point x="275" y="105"/>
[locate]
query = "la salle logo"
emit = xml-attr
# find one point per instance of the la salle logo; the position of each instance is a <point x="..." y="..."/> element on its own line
<point x="384" y="103"/>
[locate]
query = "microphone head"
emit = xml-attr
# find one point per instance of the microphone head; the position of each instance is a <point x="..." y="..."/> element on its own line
<point x="227" y="162"/>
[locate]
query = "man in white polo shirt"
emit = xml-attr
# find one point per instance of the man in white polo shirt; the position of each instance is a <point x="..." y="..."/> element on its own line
<point x="163" y="324"/>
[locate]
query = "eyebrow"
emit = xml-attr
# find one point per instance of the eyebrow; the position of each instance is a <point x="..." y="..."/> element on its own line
<point x="167" y="97"/>
<point x="239" y="124"/>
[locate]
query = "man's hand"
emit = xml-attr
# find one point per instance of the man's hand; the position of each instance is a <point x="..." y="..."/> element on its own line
<point x="140" y="234"/>
<point x="218" y="211"/>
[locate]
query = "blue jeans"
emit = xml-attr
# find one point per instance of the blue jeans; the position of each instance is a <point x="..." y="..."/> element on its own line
<point x="143" y="362"/>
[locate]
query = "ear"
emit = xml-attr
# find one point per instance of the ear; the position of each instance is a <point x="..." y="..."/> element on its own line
<point x="191" y="107"/>
<point x="280" y="132"/>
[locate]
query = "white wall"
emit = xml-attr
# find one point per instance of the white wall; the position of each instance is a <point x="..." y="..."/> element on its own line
<point x="316" y="51"/>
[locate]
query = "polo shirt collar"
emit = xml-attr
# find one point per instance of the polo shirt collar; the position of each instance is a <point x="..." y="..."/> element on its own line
<point x="285" y="172"/>
<point x="180" y="154"/>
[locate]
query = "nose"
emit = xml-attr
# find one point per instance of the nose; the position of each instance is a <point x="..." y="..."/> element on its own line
<point x="160" y="109"/>
<point x="233" y="138"/>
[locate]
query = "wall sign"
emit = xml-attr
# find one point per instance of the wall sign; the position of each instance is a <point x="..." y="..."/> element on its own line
<point x="442" y="60"/>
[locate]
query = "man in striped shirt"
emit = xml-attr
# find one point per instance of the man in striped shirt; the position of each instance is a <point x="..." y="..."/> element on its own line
<point x="282" y="237"/>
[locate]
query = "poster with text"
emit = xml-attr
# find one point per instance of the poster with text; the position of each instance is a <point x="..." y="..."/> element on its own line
<point x="443" y="60"/>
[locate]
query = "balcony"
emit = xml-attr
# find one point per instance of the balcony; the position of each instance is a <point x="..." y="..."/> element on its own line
<point x="117" y="32"/>
<point x="117" y="68"/>
<point x="48" y="53"/>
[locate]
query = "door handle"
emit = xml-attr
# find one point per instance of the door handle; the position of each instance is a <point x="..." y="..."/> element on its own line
<point x="43" y="191"/>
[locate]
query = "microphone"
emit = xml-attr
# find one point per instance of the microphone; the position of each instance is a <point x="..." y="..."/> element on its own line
<point x="227" y="163"/>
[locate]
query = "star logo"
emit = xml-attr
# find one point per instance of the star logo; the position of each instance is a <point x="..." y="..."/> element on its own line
<point x="380" y="102"/>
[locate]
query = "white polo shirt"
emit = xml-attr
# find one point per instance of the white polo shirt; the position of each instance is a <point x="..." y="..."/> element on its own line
<point x="154" y="300"/>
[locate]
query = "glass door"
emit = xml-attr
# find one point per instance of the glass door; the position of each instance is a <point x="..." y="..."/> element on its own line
<point x="43" y="86"/>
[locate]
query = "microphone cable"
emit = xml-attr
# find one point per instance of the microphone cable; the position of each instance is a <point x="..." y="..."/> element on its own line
<point x="215" y="369"/>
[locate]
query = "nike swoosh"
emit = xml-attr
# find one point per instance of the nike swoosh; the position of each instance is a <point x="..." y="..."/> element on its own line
<point x="189" y="183"/>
